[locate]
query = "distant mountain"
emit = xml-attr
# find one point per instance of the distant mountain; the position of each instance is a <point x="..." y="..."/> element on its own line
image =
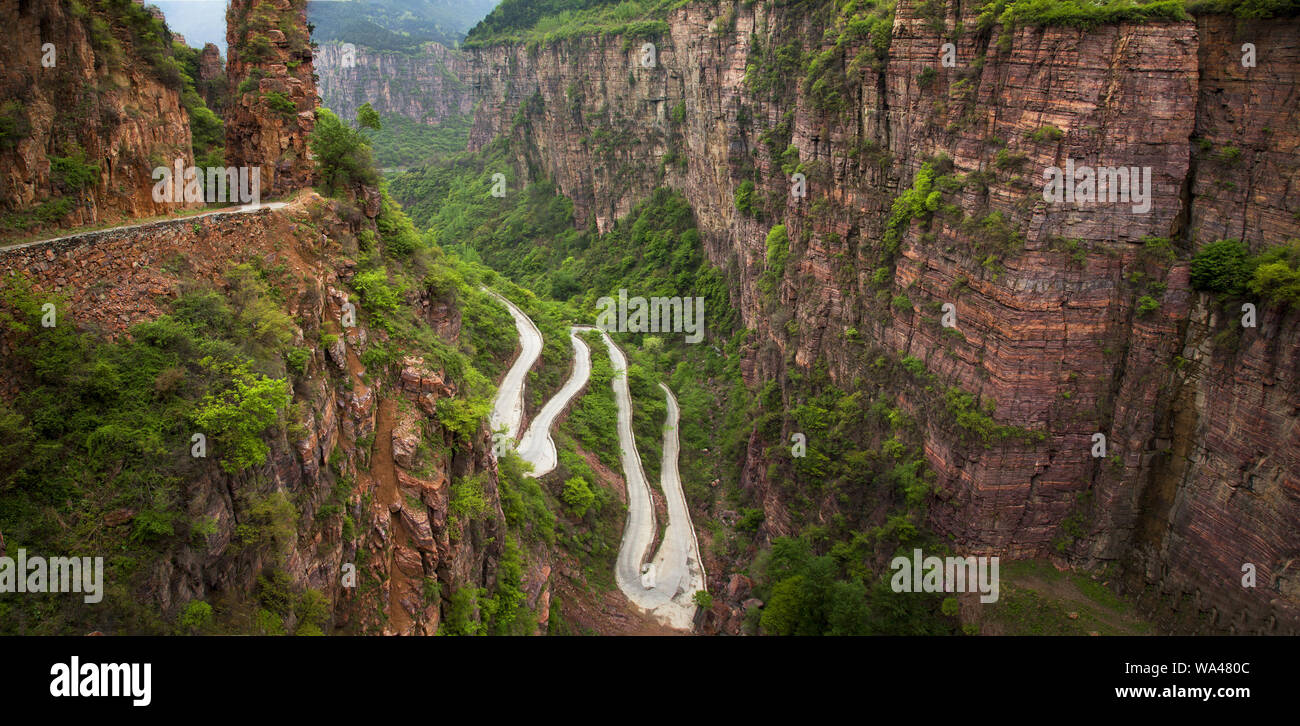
<point x="396" y="24"/>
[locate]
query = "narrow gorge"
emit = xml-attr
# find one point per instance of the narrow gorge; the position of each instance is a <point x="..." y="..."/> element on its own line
<point x="385" y="397"/>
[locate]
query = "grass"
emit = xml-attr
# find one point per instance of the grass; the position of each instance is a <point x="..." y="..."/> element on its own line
<point x="1037" y="599"/>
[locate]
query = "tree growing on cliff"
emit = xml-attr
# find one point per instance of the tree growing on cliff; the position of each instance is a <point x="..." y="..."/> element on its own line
<point x="237" y="416"/>
<point x="343" y="157"/>
<point x="1222" y="266"/>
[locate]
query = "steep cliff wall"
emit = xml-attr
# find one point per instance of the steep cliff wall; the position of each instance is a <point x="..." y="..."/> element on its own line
<point x="272" y="93"/>
<point x="1050" y="336"/>
<point x="424" y="86"/>
<point x="212" y="83"/>
<point x="90" y="104"/>
<point x="363" y="459"/>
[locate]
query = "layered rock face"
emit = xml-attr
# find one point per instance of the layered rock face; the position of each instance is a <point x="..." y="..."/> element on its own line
<point x="424" y="86"/>
<point x="272" y="94"/>
<point x="1072" y="318"/>
<point x="100" y="102"/>
<point x="212" y="83"/>
<point x="399" y="496"/>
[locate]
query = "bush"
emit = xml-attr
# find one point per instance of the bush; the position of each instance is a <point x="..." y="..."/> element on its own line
<point x="1147" y="305"/>
<point x="1277" y="274"/>
<point x="71" y="173"/>
<point x="237" y="416"/>
<point x="195" y="617"/>
<point x="1222" y="267"/>
<point x="578" y="495"/>
<point x="377" y="293"/>
<point x="280" y="103"/>
<point x="14" y="125"/>
<point x="746" y="198"/>
<point x="1044" y="133"/>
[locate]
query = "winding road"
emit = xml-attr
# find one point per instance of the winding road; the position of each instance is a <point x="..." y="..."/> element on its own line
<point x="537" y="447"/>
<point x="664" y="586"/>
<point x="508" y="409"/>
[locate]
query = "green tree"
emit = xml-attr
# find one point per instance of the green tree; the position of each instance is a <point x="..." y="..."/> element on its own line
<point x="343" y="155"/>
<point x="237" y="416"/>
<point x="1223" y="266"/>
<point x="578" y="495"/>
<point x="196" y="616"/>
<point x="1277" y="275"/>
<point x="368" y="117"/>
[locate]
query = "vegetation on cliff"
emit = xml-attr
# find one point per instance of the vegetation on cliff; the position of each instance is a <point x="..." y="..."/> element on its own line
<point x="548" y="21"/>
<point x="1226" y="267"/>
<point x="99" y="427"/>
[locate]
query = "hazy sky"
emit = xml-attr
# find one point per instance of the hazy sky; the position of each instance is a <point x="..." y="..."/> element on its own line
<point x="200" y="21"/>
<point x="204" y="21"/>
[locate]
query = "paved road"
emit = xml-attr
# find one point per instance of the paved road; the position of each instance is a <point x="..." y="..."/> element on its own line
<point x="537" y="447"/>
<point x="665" y="586"/>
<point x="508" y="410"/>
<point x="245" y="209"/>
<point x="662" y="586"/>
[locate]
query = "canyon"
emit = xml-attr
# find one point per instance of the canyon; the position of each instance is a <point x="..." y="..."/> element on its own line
<point x="1189" y="494"/>
<point x="423" y="85"/>
<point x="1071" y="319"/>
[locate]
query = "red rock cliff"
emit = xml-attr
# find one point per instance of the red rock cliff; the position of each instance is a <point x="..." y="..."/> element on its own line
<point x="272" y="92"/>
<point x="88" y="108"/>
<point x="1203" y="468"/>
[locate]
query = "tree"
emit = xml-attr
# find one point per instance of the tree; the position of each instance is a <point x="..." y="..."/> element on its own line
<point x="342" y="153"/>
<point x="578" y="495"/>
<point x="195" y="617"/>
<point x="368" y="117"/>
<point x="1222" y="266"/>
<point x="1277" y="275"/>
<point x="237" y="416"/>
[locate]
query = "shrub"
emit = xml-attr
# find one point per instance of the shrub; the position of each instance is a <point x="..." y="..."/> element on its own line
<point x="1044" y="133"/>
<point x="1277" y="274"/>
<point x="578" y="495"/>
<point x="746" y="198"/>
<point x="196" y="616"/>
<point x="279" y="102"/>
<point x="14" y="125"/>
<point x="72" y="173"/>
<point x="462" y="416"/>
<point x="1222" y="267"/>
<point x="778" y="249"/>
<point x="237" y="416"/>
<point x="750" y="520"/>
<point x="377" y="293"/>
